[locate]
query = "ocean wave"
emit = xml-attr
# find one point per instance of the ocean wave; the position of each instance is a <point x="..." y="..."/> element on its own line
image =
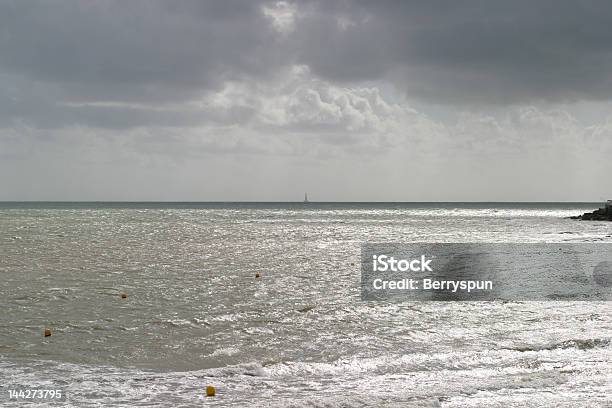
<point x="580" y="344"/>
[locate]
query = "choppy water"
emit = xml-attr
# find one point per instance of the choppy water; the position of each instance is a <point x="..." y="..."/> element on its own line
<point x="300" y="335"/>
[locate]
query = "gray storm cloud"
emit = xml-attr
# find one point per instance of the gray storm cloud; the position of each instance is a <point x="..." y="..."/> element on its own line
<point x="476" y="51"/>
<point x="322" y="95"/>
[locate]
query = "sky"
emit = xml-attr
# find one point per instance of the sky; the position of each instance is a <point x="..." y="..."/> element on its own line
<point x="264" y="100"/>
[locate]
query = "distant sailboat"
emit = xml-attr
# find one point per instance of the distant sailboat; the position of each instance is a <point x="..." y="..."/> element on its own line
<point x="305" y="198"/>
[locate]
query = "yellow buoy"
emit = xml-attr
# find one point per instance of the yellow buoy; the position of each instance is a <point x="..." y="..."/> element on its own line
<point x="210" y="391"/>
<point x="47" y="332"/>
<point x="124" y="296"/>
<point x="257" y="275"/>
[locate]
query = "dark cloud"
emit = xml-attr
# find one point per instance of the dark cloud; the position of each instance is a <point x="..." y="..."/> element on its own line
<point x="134" y="50"/>
<point x="164" y="52"/>
<point x="475" y="51"/>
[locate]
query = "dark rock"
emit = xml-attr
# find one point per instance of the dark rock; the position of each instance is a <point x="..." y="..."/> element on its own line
<point x="601" y="214"/>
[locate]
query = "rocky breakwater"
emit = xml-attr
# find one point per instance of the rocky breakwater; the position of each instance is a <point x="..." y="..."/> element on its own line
<point x="602" y="214"/>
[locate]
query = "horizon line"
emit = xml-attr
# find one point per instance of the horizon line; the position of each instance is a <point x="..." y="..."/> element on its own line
<point x="287" y="202"/>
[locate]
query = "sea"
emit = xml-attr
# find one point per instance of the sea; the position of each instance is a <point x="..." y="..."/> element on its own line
<point x="150" y="303"/>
